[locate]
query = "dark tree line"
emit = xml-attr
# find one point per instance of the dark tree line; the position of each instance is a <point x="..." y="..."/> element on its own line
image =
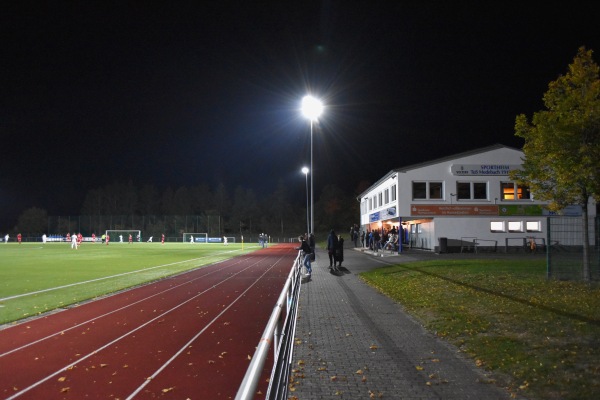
<point x="242" y="211"/>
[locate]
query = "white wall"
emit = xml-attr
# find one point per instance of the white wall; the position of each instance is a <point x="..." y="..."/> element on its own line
<point x="449" y="172"/>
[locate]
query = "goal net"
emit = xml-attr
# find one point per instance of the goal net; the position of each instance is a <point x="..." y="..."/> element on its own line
<point x="230" y="239"/>
<point x="195" y="237"/>
<point x="123" y="235"/>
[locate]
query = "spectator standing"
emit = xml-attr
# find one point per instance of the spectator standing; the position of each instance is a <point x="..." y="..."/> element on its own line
<point x="331" y="246"/>
<point x="376" y="239"/>
<point x="307" y="253"/>
<point x="339" y="251"/>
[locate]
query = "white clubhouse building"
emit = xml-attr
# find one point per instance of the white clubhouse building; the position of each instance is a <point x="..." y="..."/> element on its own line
<point x="464" y="202"/>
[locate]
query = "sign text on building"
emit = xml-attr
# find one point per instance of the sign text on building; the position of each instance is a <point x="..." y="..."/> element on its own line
<point x="431" y="210"/>
<point x="483" y="169"/>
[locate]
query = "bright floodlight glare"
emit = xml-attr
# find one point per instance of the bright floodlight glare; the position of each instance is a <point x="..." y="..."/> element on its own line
<point x="304" y="170"/>
<point x="311" y="107"/>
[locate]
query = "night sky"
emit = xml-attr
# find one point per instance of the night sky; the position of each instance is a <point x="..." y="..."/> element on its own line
<point x="209" y="92"/>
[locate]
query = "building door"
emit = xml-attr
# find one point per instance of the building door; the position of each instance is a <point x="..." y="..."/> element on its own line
<point x="413" y="240"/>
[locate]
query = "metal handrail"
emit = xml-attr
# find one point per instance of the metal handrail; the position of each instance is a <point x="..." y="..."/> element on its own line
<point x="283" y="348"/>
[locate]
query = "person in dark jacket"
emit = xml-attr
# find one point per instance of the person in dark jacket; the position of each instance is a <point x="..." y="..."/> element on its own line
<point x="307" y="252"/>
<point x="339" y="251"/>
<point x="331" y="246"/>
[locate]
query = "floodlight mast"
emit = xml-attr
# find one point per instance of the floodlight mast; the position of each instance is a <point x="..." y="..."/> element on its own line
<point x="312" y="108"/>
<point x="305" y="172"/>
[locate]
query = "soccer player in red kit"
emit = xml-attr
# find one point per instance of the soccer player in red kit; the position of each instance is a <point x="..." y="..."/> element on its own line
<point x="79" y="239"/>
<point x="162" y="240"/>
<point x="93" y="238"/>
<point x="107" y="239"/>
<point x="130" y="239"/>
<point x="19" y="238"/>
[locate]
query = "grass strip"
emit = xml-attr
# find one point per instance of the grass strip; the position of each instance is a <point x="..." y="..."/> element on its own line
<point x="539" y="337"/>
<point x="36" y="278"/>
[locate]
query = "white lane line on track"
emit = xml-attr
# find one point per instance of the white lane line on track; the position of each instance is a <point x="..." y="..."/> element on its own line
<point x="108" y="277"/>
<point x="94" y="352"/>
<point x="182" y="349"/>
<point x="114" y="311"/>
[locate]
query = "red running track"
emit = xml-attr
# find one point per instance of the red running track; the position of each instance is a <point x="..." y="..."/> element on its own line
<point x="190" y="336"/>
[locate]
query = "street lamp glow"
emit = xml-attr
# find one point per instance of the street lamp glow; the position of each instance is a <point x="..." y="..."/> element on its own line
<point x="311" y="108"/>
<point x="305" y="172"/>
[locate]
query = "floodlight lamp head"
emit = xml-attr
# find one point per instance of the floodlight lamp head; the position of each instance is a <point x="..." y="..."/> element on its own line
<point x="311" y="107"/>
<point x="305" y="170"/>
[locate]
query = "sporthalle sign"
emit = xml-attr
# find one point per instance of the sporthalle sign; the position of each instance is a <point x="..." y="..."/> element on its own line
<point x="483" y="169"/>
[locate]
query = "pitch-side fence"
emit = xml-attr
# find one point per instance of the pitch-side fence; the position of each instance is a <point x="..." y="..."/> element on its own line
<point x="280" y="331"/>
<point x="564" y="245"/>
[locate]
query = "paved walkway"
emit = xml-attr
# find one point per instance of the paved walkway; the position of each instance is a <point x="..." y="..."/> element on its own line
<point x="354" y="343"/>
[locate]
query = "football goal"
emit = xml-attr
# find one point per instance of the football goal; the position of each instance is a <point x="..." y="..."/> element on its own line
<point x="230" y="239"/>
<point x="123" y="235"/>
<point x="195" y="237"/>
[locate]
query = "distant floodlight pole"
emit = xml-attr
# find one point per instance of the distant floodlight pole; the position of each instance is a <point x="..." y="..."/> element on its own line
<point x="305" y="172"/>
<point x="312" y="109"/>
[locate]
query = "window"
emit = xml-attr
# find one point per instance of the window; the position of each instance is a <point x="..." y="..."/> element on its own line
<point x="515" y="226"/>
<point x="497" y="226"/>
<point x="380" y="199"/>
<point x="387" y="196"/>
<point x="480" y="191"/>
<point x="393" y="192"/>
<point x="471" y="190"/>
<point x="463" y="190"/>
<point x="428" y="190"/>
<point x="514" y="191"/>
<point x="533" y="226"/>
<point x="435" y="190"/>
<point x="370" y="204"/>
<point x="419" y="190"/>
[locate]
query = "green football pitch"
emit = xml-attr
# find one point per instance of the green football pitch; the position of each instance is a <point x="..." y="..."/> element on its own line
<point x="36" y="278"/>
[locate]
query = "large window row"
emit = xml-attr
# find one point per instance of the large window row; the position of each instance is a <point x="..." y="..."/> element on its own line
<point x="382" y="198"/>
<point x="465" y="191"/>
<point x="469" y="190"/>
<point x="515" y="226"/>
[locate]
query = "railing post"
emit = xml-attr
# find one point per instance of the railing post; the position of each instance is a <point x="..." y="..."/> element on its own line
<point x="254" y="371"/>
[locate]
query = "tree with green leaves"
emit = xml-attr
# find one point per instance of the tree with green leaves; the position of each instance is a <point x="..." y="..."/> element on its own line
<point x="562" y="143"/>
